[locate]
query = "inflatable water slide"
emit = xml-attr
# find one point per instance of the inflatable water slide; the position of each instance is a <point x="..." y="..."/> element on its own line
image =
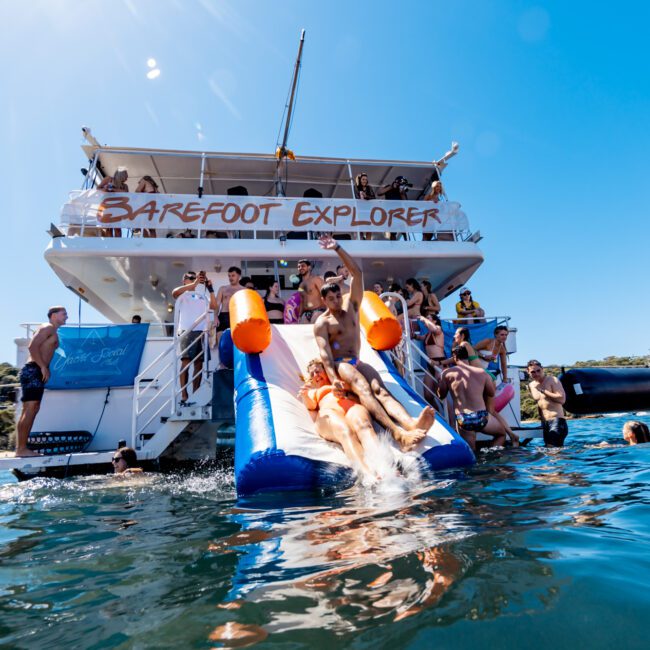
<point x="276" y="445"/>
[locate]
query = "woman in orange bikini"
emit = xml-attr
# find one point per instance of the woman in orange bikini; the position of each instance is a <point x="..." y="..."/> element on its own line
<point x="339" y="416"/>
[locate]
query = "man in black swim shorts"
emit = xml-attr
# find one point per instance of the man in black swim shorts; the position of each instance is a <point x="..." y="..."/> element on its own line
<point x="547" y="391"/>
<point x="471" y="388"/>
<point x="35" y="374"/>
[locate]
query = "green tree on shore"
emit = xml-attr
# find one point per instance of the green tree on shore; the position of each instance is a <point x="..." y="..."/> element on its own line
<point x="8" y="376"/>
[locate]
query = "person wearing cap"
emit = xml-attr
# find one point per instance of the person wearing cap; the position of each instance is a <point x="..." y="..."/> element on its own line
<point x="467" y="308"/>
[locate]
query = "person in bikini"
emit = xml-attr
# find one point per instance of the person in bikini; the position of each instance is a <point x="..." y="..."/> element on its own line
<point x="434" y="346"/>
<point x="493" y="354"/>
<point x="35" y="374"/>
<point x="462" y="339"/>
<point x="338" y="337"/>
<point x="225" y="293"/>
<point x="340" y="417"/>
<point x="311" y="304"/>
<point x="492" y="357"/>
<point x="470" y="389"/>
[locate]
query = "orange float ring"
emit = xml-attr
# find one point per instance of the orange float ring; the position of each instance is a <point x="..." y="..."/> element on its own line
<point x="249" y="322"/>
<point x="381" y="328"/>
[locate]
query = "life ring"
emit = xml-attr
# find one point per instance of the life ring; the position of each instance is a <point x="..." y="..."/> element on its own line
<point x="504" y="393"/>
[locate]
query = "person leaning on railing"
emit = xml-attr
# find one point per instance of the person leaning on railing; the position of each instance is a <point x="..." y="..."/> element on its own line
<point x="436" y="193"/>
<point x="114" y="183"/>
<point x="431" y="304"/>
<point x="147" y="185"/>
<point x="396" y="191"/>
<point x="434" y="347"/>
<point x="468" y="308"/>
<point x="363" y="192"/>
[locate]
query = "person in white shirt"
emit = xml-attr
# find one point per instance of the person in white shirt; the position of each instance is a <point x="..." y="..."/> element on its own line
<point x="193" y="299"/>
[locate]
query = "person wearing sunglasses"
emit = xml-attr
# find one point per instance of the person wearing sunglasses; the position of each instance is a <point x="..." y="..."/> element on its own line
<point x="547" y="391"/>
<point x="125" y="461"/>
<point x="467" y="308"/>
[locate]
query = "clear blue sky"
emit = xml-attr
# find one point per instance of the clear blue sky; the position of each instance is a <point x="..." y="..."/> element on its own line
<point x="550" y="102"/>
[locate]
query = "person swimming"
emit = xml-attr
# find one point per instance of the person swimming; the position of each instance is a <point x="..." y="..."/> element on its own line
<point x="125" y="461"/>
<point x="635" y="432"/>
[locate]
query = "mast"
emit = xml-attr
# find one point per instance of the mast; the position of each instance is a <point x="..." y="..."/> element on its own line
<point x="282" y="151"/>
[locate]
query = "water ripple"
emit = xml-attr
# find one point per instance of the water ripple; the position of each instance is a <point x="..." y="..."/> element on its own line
<point x="549" y="545"/>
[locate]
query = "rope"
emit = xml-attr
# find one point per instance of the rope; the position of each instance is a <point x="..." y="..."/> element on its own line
<point x="92" y="437"/>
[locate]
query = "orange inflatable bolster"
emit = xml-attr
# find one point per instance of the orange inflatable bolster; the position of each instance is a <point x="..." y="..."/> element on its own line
<point x="249" y="323"/>
<point x="382" y="329"/>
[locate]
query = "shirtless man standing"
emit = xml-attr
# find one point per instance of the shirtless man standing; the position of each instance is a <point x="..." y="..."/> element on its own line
<point x="471" y="388"/>
<point x="547" y="391"/>
<point x="224" y="295"/>
<point x="338" y="336"/>
<point x="35" y="373"/>
<point x="311" y="305"/>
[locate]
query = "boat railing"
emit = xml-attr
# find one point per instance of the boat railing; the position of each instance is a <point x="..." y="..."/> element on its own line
<point x="158" y="388"/>
<point x="414" y="365"/>
<point x="94" y="213"/>
<point x="157" y="331"/>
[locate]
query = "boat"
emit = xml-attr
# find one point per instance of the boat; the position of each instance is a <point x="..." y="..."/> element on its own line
<point x="123" y="253"/>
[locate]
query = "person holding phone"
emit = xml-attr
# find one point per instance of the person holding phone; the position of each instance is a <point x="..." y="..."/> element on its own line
<point x="194" y="298"/>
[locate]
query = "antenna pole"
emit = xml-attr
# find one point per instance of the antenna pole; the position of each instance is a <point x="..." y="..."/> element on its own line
<point x="294" y="81"/>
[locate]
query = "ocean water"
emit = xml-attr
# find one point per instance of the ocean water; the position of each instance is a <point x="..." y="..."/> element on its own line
<point x="529" y="548"/>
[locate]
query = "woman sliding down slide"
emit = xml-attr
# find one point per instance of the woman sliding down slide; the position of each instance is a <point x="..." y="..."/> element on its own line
<point x="340" y="417"/>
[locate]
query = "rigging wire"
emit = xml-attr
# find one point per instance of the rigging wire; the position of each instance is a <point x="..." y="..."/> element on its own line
<point x="94" y="433"/>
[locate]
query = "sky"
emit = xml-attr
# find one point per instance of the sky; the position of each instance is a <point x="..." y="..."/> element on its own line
<point x="550" y="102"/>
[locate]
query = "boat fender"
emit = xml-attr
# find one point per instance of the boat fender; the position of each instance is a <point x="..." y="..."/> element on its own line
<point x="606" y="390"/>
<point x="226" y="353"/>
<point x="292" y="309"/>
<point x="504" y="393"/>
<point x="249" y="323"/>
<point x="381" y="328"/>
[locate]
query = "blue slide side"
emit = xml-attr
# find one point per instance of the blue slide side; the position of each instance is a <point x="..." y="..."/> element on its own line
<point x="455" y="454"/>
<point x="259" y="465"/>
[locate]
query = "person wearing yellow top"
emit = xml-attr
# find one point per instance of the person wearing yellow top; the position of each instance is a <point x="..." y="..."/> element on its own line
<point x="467" y="308"/>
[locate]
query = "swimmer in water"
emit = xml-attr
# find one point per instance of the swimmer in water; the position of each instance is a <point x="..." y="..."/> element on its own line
<point x="124" y="462"/>
<point x="635" y="432"/>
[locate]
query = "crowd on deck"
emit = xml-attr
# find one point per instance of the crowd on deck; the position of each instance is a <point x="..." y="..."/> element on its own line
<point x="416" y="308"/>
<point x="395" y="191"/>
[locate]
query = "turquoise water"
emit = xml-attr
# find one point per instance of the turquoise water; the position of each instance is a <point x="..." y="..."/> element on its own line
<point x="534" y="547"/>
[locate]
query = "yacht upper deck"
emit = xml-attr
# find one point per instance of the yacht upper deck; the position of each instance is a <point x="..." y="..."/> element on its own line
<point x="242" y="195"/>
<point x="124" y="252"/>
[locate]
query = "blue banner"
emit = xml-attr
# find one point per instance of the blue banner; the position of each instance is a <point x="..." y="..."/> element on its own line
<point x="97" y="357"/>
<point x="477" y="332"/>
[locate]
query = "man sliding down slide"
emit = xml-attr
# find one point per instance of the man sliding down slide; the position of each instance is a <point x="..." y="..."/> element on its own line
<point x="338" y="336"/>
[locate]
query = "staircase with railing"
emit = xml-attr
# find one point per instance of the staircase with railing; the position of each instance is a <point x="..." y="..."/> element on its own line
<point x="159" y="413"/>
<point x="414" y="365"/>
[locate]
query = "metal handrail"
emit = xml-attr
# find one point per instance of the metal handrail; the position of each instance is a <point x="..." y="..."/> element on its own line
<point x="30" y="327"/>
<point x="499" y="319"/>
<point x="407" y="347"/>
<point x="175" y="354"/>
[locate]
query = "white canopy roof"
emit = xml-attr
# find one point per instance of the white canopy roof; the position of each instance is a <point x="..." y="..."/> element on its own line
<point x="178" y="172"/>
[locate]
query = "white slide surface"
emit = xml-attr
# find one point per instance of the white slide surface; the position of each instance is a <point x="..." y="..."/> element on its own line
<point x="283" y="364"/>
